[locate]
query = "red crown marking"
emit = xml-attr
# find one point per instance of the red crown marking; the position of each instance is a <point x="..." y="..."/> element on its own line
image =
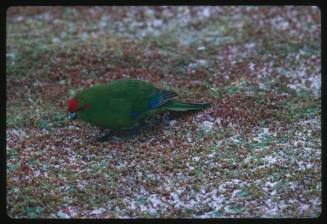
<point x="72" y="105"/>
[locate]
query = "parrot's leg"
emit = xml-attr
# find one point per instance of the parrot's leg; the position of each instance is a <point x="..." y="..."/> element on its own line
<point x="126" y="134"/>
<point x="104" y="136"/>
<point x="131" y="132"/>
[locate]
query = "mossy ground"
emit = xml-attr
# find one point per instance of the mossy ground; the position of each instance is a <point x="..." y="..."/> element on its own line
<point x="254" y="153"/>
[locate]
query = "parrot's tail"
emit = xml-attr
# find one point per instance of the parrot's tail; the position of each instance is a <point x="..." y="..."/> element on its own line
<point x="180" y="106"/>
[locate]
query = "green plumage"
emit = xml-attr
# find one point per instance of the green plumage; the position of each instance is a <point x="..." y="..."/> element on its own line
<point x="125" y="103"/>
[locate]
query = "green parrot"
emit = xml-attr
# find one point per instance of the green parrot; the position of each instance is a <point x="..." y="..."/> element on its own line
<point x="124" y="104"/>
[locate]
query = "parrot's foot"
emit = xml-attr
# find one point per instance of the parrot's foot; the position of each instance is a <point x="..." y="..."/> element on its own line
<point x="105" y="134"/>
<point x="127" y="134"/>
<point x="103" y="138"/>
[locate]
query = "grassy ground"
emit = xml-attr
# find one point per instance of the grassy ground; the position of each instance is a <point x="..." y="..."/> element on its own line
<point x="255" y="153"/>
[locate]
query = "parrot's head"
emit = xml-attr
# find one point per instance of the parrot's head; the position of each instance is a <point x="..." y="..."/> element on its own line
<point x="74" y="105"/>
<point x="72" y="108"/>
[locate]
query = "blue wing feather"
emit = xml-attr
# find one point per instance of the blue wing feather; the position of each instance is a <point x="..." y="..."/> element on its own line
<point x="154" y="101"/>
<point x="157" y="100"/>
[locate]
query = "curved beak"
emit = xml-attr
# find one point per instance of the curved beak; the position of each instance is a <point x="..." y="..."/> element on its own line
<point x="72" y="115"/>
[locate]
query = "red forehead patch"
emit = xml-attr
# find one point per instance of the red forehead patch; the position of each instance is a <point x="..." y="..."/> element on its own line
<point x="72" y="105"/>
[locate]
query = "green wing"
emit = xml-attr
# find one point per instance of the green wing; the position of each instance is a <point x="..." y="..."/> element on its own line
<point x="144" y="98"/>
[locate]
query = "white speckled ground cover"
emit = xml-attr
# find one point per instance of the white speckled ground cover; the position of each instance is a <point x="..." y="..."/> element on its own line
<point x="256" y="152"/>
